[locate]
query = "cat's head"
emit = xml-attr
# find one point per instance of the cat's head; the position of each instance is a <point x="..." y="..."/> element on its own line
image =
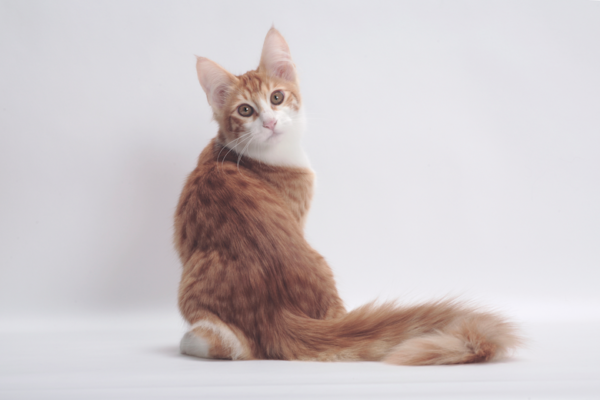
<point x="260" y="112"/>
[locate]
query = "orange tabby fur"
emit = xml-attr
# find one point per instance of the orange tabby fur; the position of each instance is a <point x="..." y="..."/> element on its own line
<point x="253" y="288"/>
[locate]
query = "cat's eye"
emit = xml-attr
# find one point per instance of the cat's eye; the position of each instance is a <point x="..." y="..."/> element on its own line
<point x="277" y="97"/>
<point x="245" y="110"/>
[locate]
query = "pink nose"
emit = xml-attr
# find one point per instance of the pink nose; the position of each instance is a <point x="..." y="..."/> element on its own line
<point x="270" y="124"/>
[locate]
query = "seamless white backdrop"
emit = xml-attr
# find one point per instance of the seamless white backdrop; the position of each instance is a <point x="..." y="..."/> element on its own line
<point x="456" y="146"/>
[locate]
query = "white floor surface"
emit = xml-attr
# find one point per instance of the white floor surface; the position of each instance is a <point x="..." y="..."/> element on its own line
<point x="137" y="357"/>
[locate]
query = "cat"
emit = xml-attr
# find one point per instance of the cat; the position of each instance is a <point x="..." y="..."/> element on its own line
<point x="252" y="287"/>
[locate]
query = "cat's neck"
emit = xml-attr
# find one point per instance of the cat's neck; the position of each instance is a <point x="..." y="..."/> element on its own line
<point x="216" y="151"/>
<point x="286" y="153"/>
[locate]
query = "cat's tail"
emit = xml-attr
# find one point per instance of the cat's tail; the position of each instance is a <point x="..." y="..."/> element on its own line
<point x="444" y="332"/>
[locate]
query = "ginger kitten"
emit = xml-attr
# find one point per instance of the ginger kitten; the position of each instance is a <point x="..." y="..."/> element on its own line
<point x="252" y="287"/>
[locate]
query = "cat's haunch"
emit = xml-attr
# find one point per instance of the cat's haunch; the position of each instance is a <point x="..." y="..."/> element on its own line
<point x="252" y="287"/>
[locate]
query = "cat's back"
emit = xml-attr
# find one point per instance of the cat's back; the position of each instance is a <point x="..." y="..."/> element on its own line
<point x="239" y="233"/>
<point x="228" y="198"/>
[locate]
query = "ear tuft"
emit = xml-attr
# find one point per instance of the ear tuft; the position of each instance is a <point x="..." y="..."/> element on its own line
<point x="276" y="58"/>
<point x="216" y="82"/>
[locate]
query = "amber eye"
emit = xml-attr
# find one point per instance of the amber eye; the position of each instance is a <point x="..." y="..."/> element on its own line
<point x="277" y="97"/>
<point x="245" y="110"/>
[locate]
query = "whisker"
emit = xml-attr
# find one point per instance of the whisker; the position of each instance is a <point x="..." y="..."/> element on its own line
<point x="242" y="153"/>
<point x="239" y="141"/>
<point x="226" y="146"/>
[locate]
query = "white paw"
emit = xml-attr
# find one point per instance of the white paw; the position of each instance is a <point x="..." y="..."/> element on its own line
<point x="193" y="345"/>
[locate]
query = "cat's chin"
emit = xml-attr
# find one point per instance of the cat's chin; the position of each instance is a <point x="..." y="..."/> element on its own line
<point x="275" y="137"/>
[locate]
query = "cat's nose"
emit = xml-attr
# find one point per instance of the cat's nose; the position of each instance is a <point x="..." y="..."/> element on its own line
<point x="270" y="124"/>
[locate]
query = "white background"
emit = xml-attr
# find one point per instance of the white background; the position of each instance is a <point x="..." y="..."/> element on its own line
<point x="456" y="146"/>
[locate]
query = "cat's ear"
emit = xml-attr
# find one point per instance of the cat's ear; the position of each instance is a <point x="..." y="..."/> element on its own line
<point x="216" y="82"/>
<point x="276" y="59"/>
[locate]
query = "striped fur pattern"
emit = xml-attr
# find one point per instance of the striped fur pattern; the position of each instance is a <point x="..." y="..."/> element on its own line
<point x="252" y="287"/>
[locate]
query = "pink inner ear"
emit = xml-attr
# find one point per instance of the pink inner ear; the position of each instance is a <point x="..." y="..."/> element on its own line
<point x="276" y="58"/>
<point x="215" y="81"/>
<point x="219" y="96"/>
<point x="283" y="68"/>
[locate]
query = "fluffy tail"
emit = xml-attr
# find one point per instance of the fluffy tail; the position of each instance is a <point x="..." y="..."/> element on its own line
<point x="435" y="333"/>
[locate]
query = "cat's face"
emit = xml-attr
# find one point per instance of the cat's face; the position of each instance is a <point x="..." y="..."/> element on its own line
<point x="259" y="109"/>
<point x="260" y="112"/>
